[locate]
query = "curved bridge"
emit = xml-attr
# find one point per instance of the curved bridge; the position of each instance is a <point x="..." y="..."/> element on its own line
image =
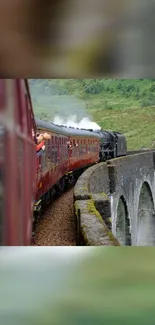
<point x="116" y="200"/>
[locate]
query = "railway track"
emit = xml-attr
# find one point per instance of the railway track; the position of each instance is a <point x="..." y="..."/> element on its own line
<point x="57" y="227"/>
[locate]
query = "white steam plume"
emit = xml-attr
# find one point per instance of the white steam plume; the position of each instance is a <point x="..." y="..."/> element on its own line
<point x="85" y="123"/>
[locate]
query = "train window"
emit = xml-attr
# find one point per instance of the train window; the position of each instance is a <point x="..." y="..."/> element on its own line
<point x="39" y="160"/>
<point x="43" y="159"/>
<point x="62" y="153"/>
<point x="48" y="149"/>
<point x="53" y="154"/>
<point x="81" y="149"/>
<point x="66" y="149"/>
<point x="56" y="155"/>
<point x="73" y="147"/>
<point x="93" y="146"/>
<point x="65" y="152"/>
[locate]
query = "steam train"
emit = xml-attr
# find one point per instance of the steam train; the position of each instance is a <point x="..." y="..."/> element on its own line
<point x="61" y="165"/>
<point x="28" y="182"/>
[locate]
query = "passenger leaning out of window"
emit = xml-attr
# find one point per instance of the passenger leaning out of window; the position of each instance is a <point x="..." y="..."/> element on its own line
<point x="40" y="142"/>
<point x="69" y="145"/>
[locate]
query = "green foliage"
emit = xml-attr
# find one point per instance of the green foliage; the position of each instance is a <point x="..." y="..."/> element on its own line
<point x="126" y="105"/>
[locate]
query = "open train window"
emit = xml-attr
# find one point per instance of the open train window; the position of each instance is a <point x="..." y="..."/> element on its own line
<point x="56" y="155"/>
<point x="60" y="149"/>
<point x="53" y="154"/>
<point x="91" y="146"/>
<point x="43" y="159"/>
<point x="62" y="153"/>
<point x="48" y="149"/>
<point x="66" y="149"/>
<point x="81" y="148"/>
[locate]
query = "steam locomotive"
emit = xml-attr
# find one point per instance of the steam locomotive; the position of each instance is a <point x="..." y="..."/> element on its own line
<point x="112" y="145"/>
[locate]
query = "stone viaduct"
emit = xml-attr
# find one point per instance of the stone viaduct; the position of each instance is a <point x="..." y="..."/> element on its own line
<point x="115" y="200"/>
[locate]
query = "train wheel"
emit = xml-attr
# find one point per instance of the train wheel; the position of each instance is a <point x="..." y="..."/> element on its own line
<point x="59" y="188"/>
<point x="62" y="185"/>
<point x="71" y="180"/>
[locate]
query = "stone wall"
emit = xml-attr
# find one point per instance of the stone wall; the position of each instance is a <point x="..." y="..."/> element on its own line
<point x="99" y="189"/>
<point x="92" y="206"/>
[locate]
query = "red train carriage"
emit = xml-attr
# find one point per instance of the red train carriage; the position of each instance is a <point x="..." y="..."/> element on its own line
<point x="52" y="165"/>
<point x="84" y="148"/>
<point x="68" y="151"/>
<point x="17" y="162"/>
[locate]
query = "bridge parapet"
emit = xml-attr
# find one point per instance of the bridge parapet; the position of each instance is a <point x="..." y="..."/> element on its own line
<point x="120" y="195"/>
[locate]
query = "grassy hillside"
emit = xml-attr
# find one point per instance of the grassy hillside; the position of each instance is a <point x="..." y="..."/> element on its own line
<point x="125" y="105"/>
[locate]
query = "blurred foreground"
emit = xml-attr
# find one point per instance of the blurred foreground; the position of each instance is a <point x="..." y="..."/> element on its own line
<point x="80" y="38"/>
<point x="77" y="286"/>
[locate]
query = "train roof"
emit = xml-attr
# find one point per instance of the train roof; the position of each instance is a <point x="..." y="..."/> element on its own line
<point x="101" y="132"/>
<point x="49" y="126"/>
<point x="60" y="129"/>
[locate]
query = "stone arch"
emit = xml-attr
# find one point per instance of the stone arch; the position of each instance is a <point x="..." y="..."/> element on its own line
<point x="145" y="217"/>
<point x="123" y="232"/>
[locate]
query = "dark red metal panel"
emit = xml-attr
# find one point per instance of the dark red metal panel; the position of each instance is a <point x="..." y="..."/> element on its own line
<point x="2" y="94"/>
<point x="20" y="164"/>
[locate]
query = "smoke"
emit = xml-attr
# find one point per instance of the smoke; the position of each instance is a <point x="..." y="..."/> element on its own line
<point x="59" y="106"/>
<point x="84" y="123"/>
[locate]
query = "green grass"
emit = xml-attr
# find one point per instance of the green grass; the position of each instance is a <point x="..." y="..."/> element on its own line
<point x="127" y="106"/>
